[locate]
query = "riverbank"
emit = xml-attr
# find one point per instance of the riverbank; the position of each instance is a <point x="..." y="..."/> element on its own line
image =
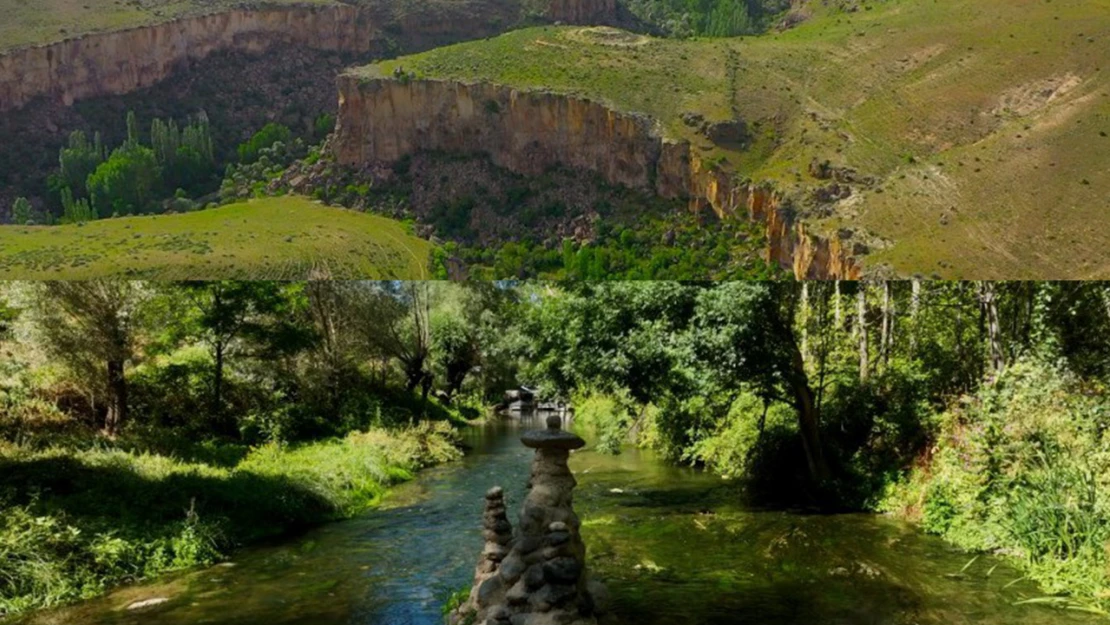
<point x="78" y="521"/>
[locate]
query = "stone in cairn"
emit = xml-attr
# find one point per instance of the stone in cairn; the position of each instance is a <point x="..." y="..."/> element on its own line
<point x="536" y="576"/>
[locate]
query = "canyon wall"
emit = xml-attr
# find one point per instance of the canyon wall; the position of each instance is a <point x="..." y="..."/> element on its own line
<point x="528" y="132"/>
<point x="119" y="62"/>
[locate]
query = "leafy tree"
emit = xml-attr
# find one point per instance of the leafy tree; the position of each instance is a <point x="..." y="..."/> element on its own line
<point x="21" y="211"/>
<point x="92" y="328"/>
<point x="230" y="317"/>
<point x="269" y="135"/>
<point x="744" y="332"/>
<point x="75" y="211"/>
<point x="78" y="159"/>
<point x="127" y="182"/>
<point x="454" y="348"/>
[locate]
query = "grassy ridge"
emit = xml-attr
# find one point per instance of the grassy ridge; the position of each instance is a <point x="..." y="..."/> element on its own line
<point x="272" y="238"/>
<point x="984" y="123"/>
<point x="78" y="521"/>
<point x="46" y="21"/>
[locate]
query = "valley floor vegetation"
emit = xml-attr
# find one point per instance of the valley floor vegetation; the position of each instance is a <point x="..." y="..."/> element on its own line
<point x="148" y="427"/>
<point x="978" y="410"/>
<point x="490" y="223"/>
<point x="237" y="410"/>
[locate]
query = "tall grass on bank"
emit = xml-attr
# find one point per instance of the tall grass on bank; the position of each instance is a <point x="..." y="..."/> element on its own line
<point x="1023" y="469"/>
<point x="77" y="521"/>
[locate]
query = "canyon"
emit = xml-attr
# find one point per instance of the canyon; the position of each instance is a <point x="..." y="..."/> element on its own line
<point x="385" y="119"/>
<point x="119" y="62"/>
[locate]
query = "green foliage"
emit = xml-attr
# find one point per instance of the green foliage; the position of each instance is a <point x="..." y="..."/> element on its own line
<point x="114" y="514"/>
<point x="607" y="417"/>
<point x="78" y="160"/>
<point x="186" y="156"/>
<point x="1021" y="467"/>
<point x="127" y="183"/>
<point x="21" y="211"/>
<point x="270" y="134"/>
<point x="75" y="211"/>
<point x="324" y="125"/>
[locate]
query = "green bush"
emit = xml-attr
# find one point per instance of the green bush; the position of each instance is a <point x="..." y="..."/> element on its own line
<point x="1022" y="468"/>
<point x="77" y="521"/>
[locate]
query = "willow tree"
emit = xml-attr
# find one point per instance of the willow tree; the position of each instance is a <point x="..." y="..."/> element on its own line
<point x="91" y="328"/>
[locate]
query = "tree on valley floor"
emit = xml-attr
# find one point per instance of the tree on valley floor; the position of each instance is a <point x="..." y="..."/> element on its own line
<point x="21" y="211"/>
<point x="186" y="156"/>
<point x="126" y="183"/>
<point x="78" y="160"/>
<point x="269" y="135"/>
<point x="75" y="211"/>
<point x="393" y="322"/>
<point x="455" y="349"/>
<point x="92" y="328"/>
<point x="230" y="317"/>
<point x="744" y="333"/>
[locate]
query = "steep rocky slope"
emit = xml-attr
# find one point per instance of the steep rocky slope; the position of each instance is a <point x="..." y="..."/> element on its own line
<point x="528" y="132"/>
<point x="121" y="61"/>
<point x="957" y="139"/>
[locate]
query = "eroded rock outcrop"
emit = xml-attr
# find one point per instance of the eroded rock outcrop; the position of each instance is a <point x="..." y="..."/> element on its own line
<point x="537" y="574"/>
<point x="119" y="62"/>
<point x="384" y="120"/>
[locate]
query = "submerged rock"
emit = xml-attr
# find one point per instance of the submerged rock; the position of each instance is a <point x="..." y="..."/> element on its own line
<point x="539" y="575"/>
<point x="147" y="603"/>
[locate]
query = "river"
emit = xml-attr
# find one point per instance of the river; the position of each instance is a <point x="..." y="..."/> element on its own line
<point x="671" y="543"/>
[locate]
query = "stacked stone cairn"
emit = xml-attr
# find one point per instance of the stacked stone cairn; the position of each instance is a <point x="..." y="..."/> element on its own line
<point x="537" y="575"/>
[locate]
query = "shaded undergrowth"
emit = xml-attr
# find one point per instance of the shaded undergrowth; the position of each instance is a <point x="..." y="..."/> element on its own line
<point x="78" y="521"/>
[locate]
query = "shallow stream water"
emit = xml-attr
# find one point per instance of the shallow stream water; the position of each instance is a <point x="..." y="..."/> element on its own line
<point x="671" y="543"/>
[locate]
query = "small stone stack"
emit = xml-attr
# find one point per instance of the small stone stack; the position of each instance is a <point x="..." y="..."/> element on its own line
<point x="536" y="576"/>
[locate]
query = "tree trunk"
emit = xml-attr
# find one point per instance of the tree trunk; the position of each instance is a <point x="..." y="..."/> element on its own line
<point x="915" y="307"/>
<point x="805" y="322"/>
<point x="808" y="419"/>
<point x="218" y="381"/>
<point x="117" y="402"/>
<point x="861" y="328"/>
<point x="989" y="299"/>
<point x="837" y="303"/>
<point x="887" y="328"/>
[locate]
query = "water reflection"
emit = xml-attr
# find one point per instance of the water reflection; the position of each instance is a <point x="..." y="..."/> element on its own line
<point x="671" y="543"/>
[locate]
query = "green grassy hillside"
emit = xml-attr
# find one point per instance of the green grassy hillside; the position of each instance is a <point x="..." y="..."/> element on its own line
<point x="275" y="238"/>
<point x="985" y="124"/>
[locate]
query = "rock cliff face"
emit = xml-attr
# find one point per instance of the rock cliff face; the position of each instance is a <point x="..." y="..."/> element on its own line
<point x="528" y="132"/>
<point x="119" y="62"/>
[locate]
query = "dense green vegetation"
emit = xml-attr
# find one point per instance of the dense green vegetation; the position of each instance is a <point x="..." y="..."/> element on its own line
<point x="667" y="247"/>
<point x="171" y="169"/>
<point x="978" y="409"/>
<point x="975" y="409"/>
<point x="147" y="427"/>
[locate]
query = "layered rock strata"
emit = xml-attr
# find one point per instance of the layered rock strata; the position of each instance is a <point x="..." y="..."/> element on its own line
<point x="527" y="132"/>
<point x="119" y="62"/>
<point x="537" y="574"/>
